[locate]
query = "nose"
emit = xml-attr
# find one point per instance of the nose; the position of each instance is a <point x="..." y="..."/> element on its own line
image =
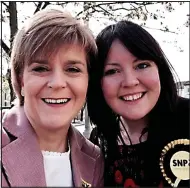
<point x="130" y="79"/>
<point x="57" y="80"/>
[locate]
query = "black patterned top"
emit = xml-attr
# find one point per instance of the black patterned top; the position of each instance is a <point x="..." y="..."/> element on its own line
<point x="128" y="169"/>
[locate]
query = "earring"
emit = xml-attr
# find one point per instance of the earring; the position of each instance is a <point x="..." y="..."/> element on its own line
<point x="22" y="91"/>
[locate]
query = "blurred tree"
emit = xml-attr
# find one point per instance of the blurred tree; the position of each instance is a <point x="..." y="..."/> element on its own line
<point x="11" y="8"/>
<point x="112" y="11"/>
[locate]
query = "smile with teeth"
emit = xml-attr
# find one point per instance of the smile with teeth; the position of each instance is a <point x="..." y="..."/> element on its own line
<point x="56" y="101"/>
<point x="132" y="97"/>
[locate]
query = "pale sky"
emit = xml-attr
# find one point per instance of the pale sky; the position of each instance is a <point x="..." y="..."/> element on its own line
<point x="179" y="60"/>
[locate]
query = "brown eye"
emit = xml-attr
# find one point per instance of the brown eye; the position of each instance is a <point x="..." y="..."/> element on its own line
<point x="111" y="72"/>
<point x="40" y="69"/>
<point x="73" y="70"/>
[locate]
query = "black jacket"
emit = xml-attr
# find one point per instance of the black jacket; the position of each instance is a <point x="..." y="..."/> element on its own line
<point x="175" y="126"/>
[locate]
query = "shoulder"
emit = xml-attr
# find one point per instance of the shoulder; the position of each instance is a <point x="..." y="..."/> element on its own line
<point x="8" y="119"/>
<point x="14" y="124"/>
<point x="182" y="109"/>
<point x="183" y="104"/>
<point x="92" y="149"/>
<point x="94" y="136"/>
<point x="91" y="157"/>
<point x="87" y="146"/>
<point x="4" y="138"/>
<point x="181" y="117"/>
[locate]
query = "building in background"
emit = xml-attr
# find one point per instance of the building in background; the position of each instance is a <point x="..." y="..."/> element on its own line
<point x="184" y="88"/>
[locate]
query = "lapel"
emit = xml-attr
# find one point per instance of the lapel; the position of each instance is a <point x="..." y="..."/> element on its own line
<point x="83" y="165"/>
<point x="22" y="158"/>
<point x="28" y="170"/>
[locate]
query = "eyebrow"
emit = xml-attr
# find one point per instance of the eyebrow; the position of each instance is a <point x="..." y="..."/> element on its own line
<point x="113" y="64"/>
<point x="117" y="64"/>
<point x="44" y="62"/>
<point x="74" y="62"/>
<point x="70" y="62"/>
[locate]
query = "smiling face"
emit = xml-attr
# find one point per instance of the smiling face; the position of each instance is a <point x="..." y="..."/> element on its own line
<point x="131" y="86"/>
<point x="55" y="88"/>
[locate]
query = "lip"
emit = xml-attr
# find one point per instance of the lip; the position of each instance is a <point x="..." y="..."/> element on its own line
<point x="135" y="93"/>
<point x="58" y="104"/>
<point x="133" y="101"/>
<point x="55" y="98"/>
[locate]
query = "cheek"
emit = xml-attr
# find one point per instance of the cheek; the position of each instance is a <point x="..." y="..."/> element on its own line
<point x="80" y="86"/>
<point x="152" y="81"/>
<point x="33" y="86"/>
<point x="28" y="80"/>
<point x="110" y="87"/>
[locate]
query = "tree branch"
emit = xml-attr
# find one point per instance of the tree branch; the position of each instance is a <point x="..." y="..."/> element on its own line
<point x="100" y="6"/>
<point x="113" y="3"/>
<point x="38" y="6"/>
<point x="146" y="9"/>
<point x="161" y="30"/>
<point x="88" y="7"/>
<point x="82" y="11"/>
<point x="13" y="20"/>
<point x="5" y="4"/>
<point x="145" y="3"/>
<point x="135" y="8"/>
<point x="62" y="3"/>
<point x="46" y="3"/>
<point x="122" y="8"/>
<point x="5" y="48"/>
<point x="105" y="11"/>
<point x="94" y="10"/>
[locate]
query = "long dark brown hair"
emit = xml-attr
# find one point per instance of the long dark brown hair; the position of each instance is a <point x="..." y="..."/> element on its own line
<point x="142" y="45"/>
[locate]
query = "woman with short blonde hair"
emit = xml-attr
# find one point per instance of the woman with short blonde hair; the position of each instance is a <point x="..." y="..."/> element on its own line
<point x="50" y="63"/>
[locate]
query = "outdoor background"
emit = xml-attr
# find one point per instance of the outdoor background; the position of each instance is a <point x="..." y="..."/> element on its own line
<point x="168" y="22"/>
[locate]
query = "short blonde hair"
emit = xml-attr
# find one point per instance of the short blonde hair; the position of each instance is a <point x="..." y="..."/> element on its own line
<point x="44" y="33"/>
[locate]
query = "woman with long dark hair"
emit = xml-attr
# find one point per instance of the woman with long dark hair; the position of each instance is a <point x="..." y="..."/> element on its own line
<point x="133" y="102"/>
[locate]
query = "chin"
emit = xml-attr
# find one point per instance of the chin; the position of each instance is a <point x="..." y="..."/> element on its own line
<point x="54" y="125"/>
<point x="134" y="117"/>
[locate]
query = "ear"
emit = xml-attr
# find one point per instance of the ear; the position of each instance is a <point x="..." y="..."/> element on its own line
<point x="22" y="85"/>
<point x="21" y="80"/>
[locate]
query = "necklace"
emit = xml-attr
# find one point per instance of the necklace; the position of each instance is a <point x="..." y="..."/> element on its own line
<point x="125" y="130"/>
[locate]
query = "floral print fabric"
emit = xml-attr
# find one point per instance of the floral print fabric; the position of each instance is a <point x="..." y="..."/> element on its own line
<point x="128" y="169"/>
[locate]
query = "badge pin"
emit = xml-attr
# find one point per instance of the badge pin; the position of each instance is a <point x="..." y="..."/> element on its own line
<point x="179" y="162"/>
<point x="85" y="184"/>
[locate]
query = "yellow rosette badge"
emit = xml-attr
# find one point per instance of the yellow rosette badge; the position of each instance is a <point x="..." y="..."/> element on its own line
<point x="179" y="162"/>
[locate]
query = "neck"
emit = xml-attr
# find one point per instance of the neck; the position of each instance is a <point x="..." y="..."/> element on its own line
<point x="56" y="141"/>
<point x="134" y="129"/>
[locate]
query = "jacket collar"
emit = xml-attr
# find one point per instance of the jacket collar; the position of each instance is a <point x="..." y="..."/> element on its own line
<point x="22" y="158"/>
<point x="83" y="165"/>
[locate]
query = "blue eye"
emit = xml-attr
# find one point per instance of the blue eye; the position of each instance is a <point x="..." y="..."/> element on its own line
<point x="110" y="72"/>
<point x="40" y="69"/>
<point x="142" y="65"/>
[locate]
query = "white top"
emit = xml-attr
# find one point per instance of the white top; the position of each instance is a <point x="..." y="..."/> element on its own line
<point x="57" y="168"/>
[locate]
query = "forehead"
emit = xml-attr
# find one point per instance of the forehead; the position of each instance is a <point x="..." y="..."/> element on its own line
<point x="119" y="53"/>
<point x="75" y="52"/>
